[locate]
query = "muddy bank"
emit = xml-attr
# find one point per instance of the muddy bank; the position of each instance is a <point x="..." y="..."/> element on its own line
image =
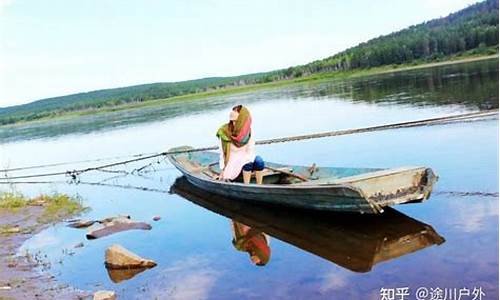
<point x="20" y="277"/>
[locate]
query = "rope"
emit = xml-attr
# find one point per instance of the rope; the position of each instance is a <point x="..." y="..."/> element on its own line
<point x="465" y="194"/>
<point x="122" y="186"/>
<point x="71" y="162"/>
<point x="147" y="189"/>
<point x="74" y="173"/>
<point x="426" y="122"/>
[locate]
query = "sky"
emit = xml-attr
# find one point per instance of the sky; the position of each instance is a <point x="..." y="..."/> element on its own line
<point x="59" y="47"/>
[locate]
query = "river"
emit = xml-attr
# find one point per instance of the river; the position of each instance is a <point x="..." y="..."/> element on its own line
<point x="193" y="245"/>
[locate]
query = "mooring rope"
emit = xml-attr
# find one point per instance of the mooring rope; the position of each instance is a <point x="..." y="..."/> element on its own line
<point x="139" y="157"/>
<point x="425" y="122"/>
<point x="122" y="186"/>
<point x="148" y="189"/>
<point x="73" y="162"/>
<point x="466" y="194"/>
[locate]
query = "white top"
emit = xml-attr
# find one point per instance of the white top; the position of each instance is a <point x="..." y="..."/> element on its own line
<point x="238" y="157"/>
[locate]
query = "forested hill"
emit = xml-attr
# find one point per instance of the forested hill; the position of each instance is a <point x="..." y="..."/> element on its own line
<point x="470" y="30"/>
<point x="473" y="27"/>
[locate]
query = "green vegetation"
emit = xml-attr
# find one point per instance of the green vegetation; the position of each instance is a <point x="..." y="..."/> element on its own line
<point x="472" y="31"/>
<point x="473" y="28"/>
<point x="56" y="205"/>
<point x="12" y="200"/>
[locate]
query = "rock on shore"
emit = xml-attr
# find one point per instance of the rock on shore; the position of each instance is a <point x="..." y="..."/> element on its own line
<point x="117" y="257"/>
<point x="104" y="295"/>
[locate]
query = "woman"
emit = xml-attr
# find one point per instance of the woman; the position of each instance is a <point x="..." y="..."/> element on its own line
<point x="237" y="151"/>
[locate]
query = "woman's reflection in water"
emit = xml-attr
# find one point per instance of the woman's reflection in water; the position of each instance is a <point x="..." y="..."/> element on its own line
<point x="253" y="241"/>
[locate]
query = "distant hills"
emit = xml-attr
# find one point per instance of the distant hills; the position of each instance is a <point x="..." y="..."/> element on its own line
<point x="470" y="30"/>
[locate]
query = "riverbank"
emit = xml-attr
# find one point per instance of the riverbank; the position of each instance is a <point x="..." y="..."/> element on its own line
<point x="20" y="219"/>
<point x="339" y="75"/>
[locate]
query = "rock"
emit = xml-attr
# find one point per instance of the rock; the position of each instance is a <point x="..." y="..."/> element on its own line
<point x="11" y="230"/>
<point x="113" y="225"/>
<point x="104" y="295"/>
<point x="156" y="218"/>
<point x="81" y="223"/>
<point x="117" y="257"/>
<point x="111" y="219"/>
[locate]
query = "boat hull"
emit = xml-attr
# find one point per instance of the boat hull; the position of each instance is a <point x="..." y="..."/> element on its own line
<point x="361" y="190"/>
<point x="337" y="198"/>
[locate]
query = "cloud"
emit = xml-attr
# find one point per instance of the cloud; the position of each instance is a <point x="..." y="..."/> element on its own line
<point x="191" y="278"/>
<point x="471" y="217"/>
<point x="332" y="281"/>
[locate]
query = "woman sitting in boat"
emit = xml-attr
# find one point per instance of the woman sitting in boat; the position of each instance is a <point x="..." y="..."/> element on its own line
<point x="237" y="148"/>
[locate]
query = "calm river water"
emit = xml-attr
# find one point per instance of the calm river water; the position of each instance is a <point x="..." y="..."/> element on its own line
<point x="310" y="256"/>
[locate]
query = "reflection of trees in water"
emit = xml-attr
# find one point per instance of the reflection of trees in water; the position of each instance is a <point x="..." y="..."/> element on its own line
<point x="474" y="85"/>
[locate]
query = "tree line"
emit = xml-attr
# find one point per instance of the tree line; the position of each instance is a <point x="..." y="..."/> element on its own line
<point x="473" y="29"/>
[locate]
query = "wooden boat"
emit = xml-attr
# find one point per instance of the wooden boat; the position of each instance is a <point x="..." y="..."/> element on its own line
<point x="364" y="190"/>
<point x="352" y="241"/>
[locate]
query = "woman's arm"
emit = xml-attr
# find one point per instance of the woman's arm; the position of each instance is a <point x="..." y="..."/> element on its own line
<point x="221" y="156"/>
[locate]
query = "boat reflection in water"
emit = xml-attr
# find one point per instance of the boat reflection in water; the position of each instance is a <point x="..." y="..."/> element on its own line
<point x="355" y="242"/>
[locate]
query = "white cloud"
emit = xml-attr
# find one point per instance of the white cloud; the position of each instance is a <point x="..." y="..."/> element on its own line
<point x="191" y="278"/>
<point x="333" y="281"/>
<point x="471" y="217"/>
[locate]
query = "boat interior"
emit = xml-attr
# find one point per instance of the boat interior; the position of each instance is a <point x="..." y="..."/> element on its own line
<point x="206" y="164"/>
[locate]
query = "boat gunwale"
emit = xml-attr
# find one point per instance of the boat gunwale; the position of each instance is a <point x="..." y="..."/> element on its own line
<point x="341" y="182"/>
<point x="369" y="175"/>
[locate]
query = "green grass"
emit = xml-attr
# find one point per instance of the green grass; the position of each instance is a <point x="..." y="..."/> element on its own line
<point x="55" y="205"/>
<point x="59" y="206"/>
<point x="12" y="200"/>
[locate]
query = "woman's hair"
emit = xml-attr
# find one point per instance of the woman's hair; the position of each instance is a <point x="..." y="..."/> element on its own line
<point x="237" y="108"/>
<point x="231" y="126"/>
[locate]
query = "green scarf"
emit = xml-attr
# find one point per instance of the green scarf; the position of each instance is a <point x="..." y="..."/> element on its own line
<point x="239" y="136"/>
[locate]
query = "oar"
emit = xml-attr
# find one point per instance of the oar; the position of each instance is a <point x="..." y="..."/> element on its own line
<point x="288" y="173"/>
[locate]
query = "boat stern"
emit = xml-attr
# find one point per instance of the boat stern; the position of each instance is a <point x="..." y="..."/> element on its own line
<point x="397" y="186"/>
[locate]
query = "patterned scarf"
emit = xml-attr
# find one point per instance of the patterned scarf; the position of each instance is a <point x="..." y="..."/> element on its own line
<point x="239" y="136"/>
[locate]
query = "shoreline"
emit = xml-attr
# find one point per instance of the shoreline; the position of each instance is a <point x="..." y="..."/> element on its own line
<point x="255" y="87"/>
<point x="20" y="277"/>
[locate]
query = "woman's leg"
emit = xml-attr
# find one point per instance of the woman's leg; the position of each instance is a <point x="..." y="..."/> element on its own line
<point x="257" y="165"/>
<point x="247" y="172"/>
<point x="247" y="175"/>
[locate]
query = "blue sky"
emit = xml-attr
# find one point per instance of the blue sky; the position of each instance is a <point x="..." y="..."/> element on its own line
<point x="59" y="47"/>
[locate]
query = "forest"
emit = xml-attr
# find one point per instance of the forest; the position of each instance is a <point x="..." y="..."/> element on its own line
<point x="473" y="30"/>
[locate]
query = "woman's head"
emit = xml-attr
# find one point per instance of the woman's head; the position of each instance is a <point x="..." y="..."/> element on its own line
<point x="237" y="108"/>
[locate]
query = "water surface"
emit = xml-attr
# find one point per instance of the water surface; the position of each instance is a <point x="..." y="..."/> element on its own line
<point x="193" y="245"/>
